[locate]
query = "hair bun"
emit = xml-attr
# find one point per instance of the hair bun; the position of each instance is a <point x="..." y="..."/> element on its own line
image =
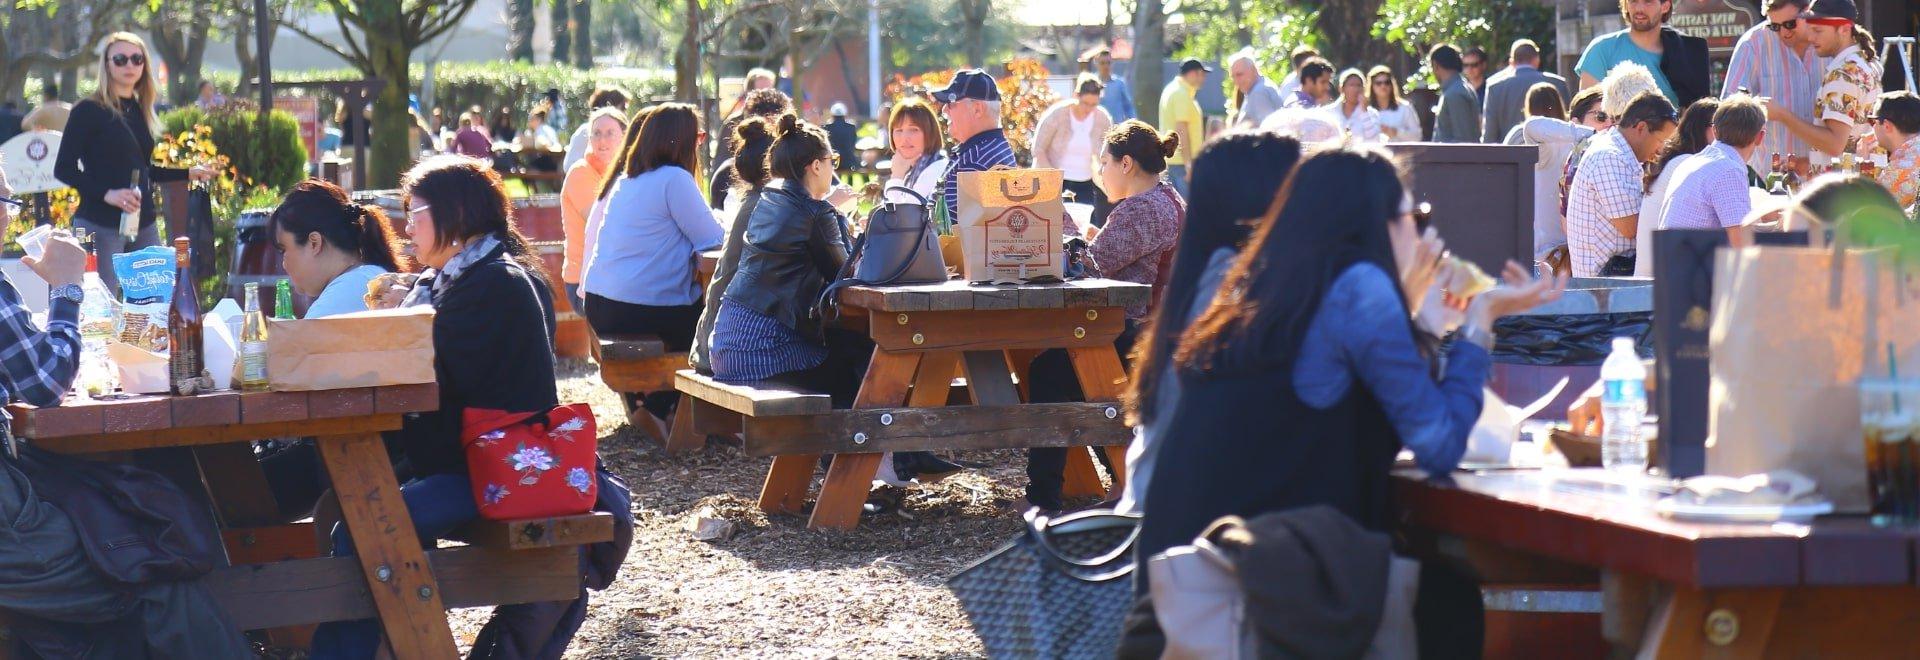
<point x="789" y="123"/>
<point x="1169" y="144"/>
<point x="754" y="128"/>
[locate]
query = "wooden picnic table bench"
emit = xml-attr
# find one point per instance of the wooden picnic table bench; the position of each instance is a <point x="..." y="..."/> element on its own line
<point x="925" y="336"/>
<point x="277" y="577"/>
<point x="631" y="364"/>
<point x="1834" y="587"/>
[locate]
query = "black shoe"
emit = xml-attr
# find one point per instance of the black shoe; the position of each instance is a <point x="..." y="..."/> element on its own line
<point x="923" y="467"/>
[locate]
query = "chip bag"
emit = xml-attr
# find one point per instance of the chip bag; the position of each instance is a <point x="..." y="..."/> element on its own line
<point x="146" y="284"/>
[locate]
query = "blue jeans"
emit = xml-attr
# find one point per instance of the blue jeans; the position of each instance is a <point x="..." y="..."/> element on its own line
<point x="438" y="504"/>
<point x="1177" y="175"/>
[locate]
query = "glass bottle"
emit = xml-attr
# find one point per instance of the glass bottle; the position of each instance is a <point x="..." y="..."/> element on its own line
<point x="130" y="220"/>
<point x="184" y="359"/>
<point x="283" y="300"/>
<point x="253" y="344"/>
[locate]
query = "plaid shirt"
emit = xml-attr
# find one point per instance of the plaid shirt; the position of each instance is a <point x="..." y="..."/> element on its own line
<point x="37" y="367"/>
<point x="1607" y="186"/>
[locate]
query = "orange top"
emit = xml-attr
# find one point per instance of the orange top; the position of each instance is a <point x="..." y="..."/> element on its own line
<point x="577" y="196"/>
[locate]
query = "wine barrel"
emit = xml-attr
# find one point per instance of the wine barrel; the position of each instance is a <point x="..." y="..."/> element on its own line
<point x="255" y="260"/>
<point x="571" y="337"/>
<point x="539" y="218"/>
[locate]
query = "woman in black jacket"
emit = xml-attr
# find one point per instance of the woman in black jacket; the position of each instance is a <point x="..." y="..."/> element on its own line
<point x="492" y="336"/>
<point x="106" y="153"/>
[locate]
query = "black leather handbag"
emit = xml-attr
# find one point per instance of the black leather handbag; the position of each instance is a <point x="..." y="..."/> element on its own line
<point x="900" y="245"/>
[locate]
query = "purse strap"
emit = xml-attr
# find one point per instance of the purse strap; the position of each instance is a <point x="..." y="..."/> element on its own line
<point x="1040" y="529"/>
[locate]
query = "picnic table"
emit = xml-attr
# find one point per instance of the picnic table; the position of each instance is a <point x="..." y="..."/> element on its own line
<point x="279" y="577"/>
<point x="1837" y="587"/>
<point x="925" y="336"/>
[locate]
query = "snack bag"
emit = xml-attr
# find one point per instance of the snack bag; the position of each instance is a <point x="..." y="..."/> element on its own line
<point x="146" y="284"/>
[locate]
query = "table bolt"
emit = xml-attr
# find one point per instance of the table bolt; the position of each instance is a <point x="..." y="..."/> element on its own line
<point x="1112" y="413"/>
<point x="426" y="593"/>
<point x="1093" y="315"/>
<point x="1079" y="333"/>
<point x="901" y="319"/>
<point x="919" y="339"/>
<point x="249" y="540"/>
<point x="886" y="419"/>
<point x="1723" y="627"/>
<point x="383" y="573"/>
<point x="859" y="438"/>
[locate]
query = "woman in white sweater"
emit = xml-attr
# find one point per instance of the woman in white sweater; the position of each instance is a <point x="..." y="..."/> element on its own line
<point x="1547" y="126"/>
<point x="1398" y="121"/>
<point x="919" y="153"/>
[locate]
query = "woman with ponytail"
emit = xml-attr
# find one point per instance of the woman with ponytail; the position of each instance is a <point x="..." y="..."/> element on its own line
<point x="1136" y="245"/>
<point x="331" y="247"/>
<point x="752" y="139"/>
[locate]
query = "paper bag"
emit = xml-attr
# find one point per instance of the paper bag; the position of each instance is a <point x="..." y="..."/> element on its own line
<point x="1793" y="330"/>
<point x="363" y="349"/>
<point x="1009" y="222"/>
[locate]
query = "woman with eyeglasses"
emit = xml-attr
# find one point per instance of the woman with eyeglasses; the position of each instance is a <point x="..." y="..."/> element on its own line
<point x="1398" y="121"/>
<point x="638" y="277"/>
<point x="605" y="128"/>
<point x="107" y="153"/>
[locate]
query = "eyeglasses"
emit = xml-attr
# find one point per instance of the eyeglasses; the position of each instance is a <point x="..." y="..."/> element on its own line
<point x="135" y="59"/>
<point x="416" y="209"/>
<point x="832" y="158"/>
<point x="1475" y="64"/>
<point x="1598" y="115"/>
<point x="1382" y="83"/>
<point x="1788" y="24"/>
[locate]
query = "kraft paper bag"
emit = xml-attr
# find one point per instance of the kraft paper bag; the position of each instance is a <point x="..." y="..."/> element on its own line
<point x="363" y="349"/>
<point x="1009" y="222"/>
<point x="1793" y="331"/>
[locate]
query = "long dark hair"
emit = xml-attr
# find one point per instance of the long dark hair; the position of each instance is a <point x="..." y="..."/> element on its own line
<point x="617" y="170"/>
<point x="469" y="200"/>
<point x="1690" y="139"/>
<point x="316" y="206"/>
<point x="1257" y="321"/>
<point x="796" y="145"/>
<point x="1235" y="179"/>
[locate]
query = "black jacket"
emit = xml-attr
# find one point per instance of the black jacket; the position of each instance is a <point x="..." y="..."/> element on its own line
<point x="844" y="137"/>
<point x="1683" y="60"/>
<point x="795" y="246"/>
<point x="100" y="150"/>
<point x="493" y="348"/>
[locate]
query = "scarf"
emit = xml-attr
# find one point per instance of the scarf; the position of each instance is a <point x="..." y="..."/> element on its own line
<point x="435" y="282"/>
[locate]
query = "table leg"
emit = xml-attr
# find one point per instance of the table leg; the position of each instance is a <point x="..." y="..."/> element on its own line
<point x="402" y="583"/>
<point x="1731" y="623"/>
<point x="1102" y="378"/>
<point x="238" y="485"/>
<point x="851" y="475"/>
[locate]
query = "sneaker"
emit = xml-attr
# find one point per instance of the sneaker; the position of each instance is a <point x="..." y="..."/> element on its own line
<point x="922" y="467"/>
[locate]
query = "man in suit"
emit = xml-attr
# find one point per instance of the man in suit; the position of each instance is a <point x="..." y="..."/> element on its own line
<point x="1506" y="101"/>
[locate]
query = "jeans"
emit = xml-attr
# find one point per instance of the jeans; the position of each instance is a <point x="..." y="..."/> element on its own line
<point x="1051" y="379"/>
<point x="107" y="242"/>
<point x="438" y="504"/>
<point x="1177" y="175"/>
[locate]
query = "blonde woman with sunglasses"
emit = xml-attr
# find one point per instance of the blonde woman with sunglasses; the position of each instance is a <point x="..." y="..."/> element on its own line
<point x="106" y="154"/>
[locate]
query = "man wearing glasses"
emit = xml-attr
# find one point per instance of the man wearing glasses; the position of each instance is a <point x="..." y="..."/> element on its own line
<point x="1775" y="60"/>
<point x="1473" y="67"/>
<point x="971" y="104"/>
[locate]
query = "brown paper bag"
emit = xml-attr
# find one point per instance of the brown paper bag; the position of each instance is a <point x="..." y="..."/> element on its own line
<point x="364" y="349"/>
<point x="1009" y="222"/>
<point x="1794" y="329"/>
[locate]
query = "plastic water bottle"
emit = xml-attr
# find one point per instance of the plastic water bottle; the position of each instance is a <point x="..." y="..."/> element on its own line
<point x="1623" y="402"/>
<point x="97" y="317"/>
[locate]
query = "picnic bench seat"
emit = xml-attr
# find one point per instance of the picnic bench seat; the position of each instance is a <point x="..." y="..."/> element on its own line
<point x="710" y="407"/>
<point x="631" y="364"/>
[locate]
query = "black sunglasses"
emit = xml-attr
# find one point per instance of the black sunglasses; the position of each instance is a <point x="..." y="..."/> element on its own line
<point x="135" y="59"/>
<point x="1788" y="24"/>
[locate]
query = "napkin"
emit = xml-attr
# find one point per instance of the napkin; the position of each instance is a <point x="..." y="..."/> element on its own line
<point x="1768" y="489"/>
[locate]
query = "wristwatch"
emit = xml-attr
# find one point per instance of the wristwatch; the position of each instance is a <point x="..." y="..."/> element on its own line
<point x="71" y="292"/>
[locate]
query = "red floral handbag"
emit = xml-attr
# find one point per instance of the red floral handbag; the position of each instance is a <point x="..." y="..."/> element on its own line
<point x="531" y="465"/>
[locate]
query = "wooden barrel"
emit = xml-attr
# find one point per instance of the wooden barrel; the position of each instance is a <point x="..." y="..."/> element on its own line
<point x="539" y="218"/>
<point x="255" y="261"/>
<point x="571" y="337"/>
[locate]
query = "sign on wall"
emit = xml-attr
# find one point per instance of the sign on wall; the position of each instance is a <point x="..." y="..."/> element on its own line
<point x="28" y="162"/>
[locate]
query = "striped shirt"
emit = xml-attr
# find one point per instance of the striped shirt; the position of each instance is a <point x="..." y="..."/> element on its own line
<point x="979" y="153"/>
<point x="1764" y="65"/>
<point x="749" y="346"/>
<point x="1709" y="191"/>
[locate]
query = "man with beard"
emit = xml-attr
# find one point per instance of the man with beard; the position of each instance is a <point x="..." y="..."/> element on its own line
<point x="1678" y="62"/>
<point x="1848" y="88"/>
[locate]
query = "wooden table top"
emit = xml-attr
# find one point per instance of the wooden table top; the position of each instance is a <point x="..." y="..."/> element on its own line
<point x="220" y="409"/>
<point x="959" y="295"/>
<point x="1543" y="513"/>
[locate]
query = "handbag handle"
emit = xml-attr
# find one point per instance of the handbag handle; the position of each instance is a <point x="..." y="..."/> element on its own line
<point x="915" y="193"/>
<point x="1006" y="190"/>
<point x="1039" y="529"/>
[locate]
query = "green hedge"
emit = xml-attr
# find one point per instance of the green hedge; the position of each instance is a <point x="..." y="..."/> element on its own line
<point x="490" y="85"/>
<point x="278" y="162"/>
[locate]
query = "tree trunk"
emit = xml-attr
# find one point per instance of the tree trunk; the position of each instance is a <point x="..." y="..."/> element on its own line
<point x="686" y="61"/>
<point x="1106" y="38"/>
<point x="1348" y="28"/>
<point x="1149" y="49"/>
<point x="973" y="18"/>
<point x="582" y="31"/>
<point x="391" y="150"/>
<point x="243" y="53"/>
<point x="184" y="48"/>
<point x="1241" y="35"/>
<point x="560" y="15"/>
<point x="520" y="30"/>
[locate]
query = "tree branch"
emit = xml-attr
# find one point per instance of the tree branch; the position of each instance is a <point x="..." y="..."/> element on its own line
<point x="355" y="59"/>
<point x="447" y="22"/>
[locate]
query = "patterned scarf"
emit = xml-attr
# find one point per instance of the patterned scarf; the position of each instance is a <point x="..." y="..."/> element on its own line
<point x="438" y="281"/>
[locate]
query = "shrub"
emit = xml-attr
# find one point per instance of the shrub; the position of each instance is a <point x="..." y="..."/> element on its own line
<point x="277" y="161"/>
<point x="491" y="85"/>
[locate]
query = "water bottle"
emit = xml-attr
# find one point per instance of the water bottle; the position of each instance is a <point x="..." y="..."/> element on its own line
<point x="1623" y="401"/>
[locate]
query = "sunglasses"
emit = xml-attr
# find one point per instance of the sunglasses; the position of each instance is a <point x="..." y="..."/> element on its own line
<point x="1788" y="24"/>
<point x="1382" y="83"/>
<point x="1475" y="64"/>
<point x="1598" y="115"/>
<point x="832" y="158"/>
<point x="135" y="59"/>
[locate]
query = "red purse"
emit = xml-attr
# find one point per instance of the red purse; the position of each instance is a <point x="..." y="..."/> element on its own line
<point x="531" y="465"/>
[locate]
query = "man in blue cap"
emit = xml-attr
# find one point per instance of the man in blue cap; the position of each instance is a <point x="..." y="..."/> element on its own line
<point x="971" y="103"/>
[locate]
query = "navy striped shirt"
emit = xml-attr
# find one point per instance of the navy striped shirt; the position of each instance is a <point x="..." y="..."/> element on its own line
<point x="979" y="153"/>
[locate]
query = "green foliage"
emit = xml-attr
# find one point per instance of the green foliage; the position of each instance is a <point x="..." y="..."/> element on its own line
<point x="924" y="36"/>
<point x="1276" y="27"/>
<point x="492" y="85"/>
<point x="1415" y="25"/>
<point x="278" y="161"/>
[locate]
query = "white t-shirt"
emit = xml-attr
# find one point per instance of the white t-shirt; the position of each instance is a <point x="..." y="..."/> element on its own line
<point x="1077" y="164"/>
<point x="346" y="294"/>
<point x="1653" y="210"/>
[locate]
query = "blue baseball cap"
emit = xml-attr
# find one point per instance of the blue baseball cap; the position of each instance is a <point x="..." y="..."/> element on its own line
<point x="970" y="84"/>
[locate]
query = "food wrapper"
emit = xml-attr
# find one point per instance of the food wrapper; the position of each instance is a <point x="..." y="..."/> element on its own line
<point x="1009" y="222"/>
<point x="363" y="349"/>
<point x="141" y="371"/>
<point x="146" y="284"/>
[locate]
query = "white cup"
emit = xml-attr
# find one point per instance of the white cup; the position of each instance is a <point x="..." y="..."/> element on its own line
<point x="34" y="241"/>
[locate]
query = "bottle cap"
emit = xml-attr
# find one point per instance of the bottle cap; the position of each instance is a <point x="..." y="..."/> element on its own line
<point x="1623" y="344"/>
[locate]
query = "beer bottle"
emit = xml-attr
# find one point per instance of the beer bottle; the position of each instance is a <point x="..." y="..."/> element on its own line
<point x="253" y="344"/>
<point x="184" y="359"/>
<point x="283" y="300"/>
